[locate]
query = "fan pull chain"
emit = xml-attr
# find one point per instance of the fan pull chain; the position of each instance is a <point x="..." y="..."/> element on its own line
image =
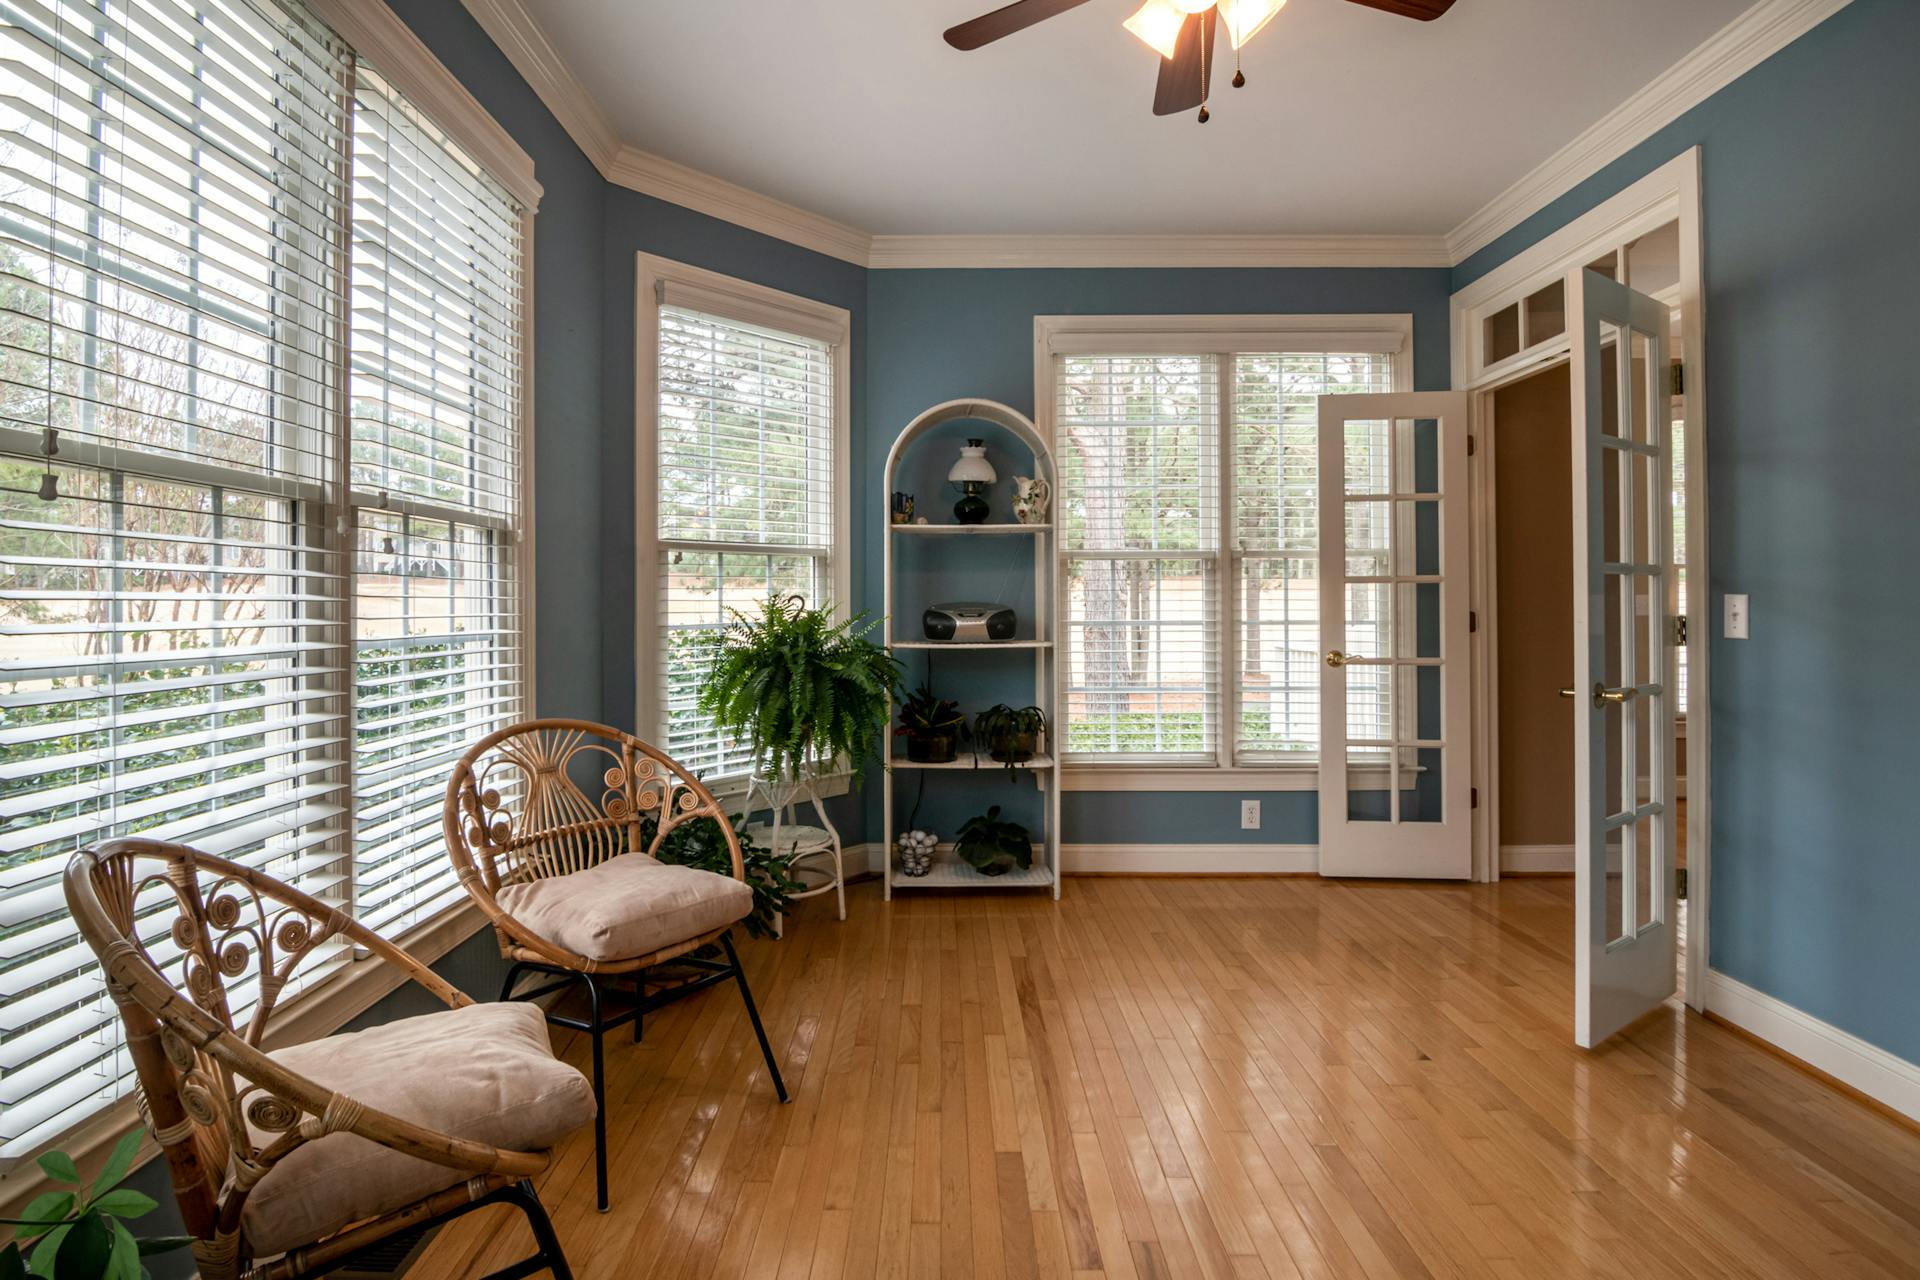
<point x="1239" y="76"/>
<point x="1206" y="29"/>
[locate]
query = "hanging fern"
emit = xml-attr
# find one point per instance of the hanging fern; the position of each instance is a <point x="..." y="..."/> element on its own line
<point x="799" y="689"/>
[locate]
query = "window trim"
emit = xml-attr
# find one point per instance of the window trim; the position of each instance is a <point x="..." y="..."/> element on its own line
<point x="378" y="34"/>
<point x="1223" y="335"/>
<point x="662" y="281"/>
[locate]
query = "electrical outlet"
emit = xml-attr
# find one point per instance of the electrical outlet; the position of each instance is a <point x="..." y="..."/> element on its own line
<point x="1249" y="815"/>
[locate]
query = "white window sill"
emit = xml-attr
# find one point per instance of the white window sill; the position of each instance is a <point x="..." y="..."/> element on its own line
<point x="1289" y="776"/>
<point x="310" y="1015"/>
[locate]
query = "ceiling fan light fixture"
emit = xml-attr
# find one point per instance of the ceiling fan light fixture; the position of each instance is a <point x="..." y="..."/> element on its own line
<point x="1192" y="6"/>
<point x="1157" y="24"/>
<point x="1244" y="18"/>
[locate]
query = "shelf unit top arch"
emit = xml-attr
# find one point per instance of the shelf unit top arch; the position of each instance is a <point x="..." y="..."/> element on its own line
<point x="972" y="411"/>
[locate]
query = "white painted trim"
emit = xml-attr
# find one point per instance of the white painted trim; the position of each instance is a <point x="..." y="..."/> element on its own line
<point x="1536" y="859"/>
<point x="1722" y="58"/>
<point x="512" y="28"/>
<point x="376" y="32"/>
<point x="1016" y="251"/>
<point x="1194" y="859"/>
<point x="1892" y="1081"/>
<point x="747" y="303"/>
<point x="658" y="176"/>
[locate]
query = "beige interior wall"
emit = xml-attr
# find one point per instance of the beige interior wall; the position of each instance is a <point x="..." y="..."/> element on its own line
<point x="1533" y="542"/>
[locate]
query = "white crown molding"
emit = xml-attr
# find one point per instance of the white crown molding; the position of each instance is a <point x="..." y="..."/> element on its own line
<point x="654" y="175"/>
<point x="1737" y="48"/>
<point x="1889" y="1080"/>
<point x="1015" y="251"/>
<point x="1722" y="58"/>
<point x="512" y="28"/>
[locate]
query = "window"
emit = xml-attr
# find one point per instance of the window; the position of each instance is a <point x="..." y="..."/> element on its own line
<point x="747" y="440"/>
<point x="177" y="561"/>
<point x="434" y="395"/>
<point x="1190" y="528"/>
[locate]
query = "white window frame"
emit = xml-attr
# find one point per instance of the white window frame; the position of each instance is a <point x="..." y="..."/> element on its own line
<point x="376" y="33"/>
<point x="1224" y="336"/>
<point x="662" y="281"/>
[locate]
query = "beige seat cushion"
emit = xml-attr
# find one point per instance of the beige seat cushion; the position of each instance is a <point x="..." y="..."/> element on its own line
<point x="627" y="906"/>
<point x="484" y="1072"/>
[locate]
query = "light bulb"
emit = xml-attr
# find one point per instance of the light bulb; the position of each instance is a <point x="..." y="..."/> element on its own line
<point x="1244" y="18"/>
<point x="1158" y="25"/>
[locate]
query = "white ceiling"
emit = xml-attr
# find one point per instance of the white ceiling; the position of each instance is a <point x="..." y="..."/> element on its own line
<point x="1352" y="122"/>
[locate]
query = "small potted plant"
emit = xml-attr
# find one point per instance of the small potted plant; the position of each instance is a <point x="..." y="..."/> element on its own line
<point x="932" y="727"/>
<point x="84" y="1232"/>
<point x="993" y="847"/>
<point x="1010" y="735"/>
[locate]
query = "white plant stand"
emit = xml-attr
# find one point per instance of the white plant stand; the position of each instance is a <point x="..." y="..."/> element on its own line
<point x="1036" y="649"/>
<point x="813" y="853"/>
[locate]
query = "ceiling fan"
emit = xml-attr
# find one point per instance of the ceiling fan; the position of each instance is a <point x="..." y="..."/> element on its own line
<point x="1182" y="32"/>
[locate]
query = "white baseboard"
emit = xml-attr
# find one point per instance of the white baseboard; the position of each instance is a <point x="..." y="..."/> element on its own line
<point x="1151" y="859"/>
<point x="1880" y="1075"/>
<point x="1537" y="859"/>
<point x="1191" y="859"/>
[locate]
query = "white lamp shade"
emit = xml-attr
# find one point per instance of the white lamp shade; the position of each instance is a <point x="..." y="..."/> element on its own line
<point x="1244" y="18"/>
<point x="973" y="467"/>
<point x="1157" y="24"/>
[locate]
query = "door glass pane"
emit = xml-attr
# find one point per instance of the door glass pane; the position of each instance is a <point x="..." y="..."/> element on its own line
<point x="1369" y="457"/>
<point x="1609" y="424"/>
<point x="1642" y="416"/>
<point x="1650" y="863"/>
<point x="1616" y="886"/>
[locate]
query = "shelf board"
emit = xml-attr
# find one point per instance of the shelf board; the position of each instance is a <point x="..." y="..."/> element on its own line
<point x="996" y="527"/>
<point x="971" y="644"/>
<point x="971" y="759"/>
<point x="958" y="875"/>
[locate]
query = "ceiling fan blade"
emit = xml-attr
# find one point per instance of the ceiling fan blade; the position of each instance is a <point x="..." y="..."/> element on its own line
<point x="1424" y="10"/>
<point x="1006" y="20"/>
<point x="1187" y="75"/>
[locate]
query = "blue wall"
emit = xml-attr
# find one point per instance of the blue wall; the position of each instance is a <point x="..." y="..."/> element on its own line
<point x="942" y="335"/>
<point x="1812" y="243"/>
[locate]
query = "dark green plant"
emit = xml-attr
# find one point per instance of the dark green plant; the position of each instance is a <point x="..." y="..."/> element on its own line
<point x="1009" y="734"/>
<point x="993" y="847"/>
<point x="931" y="726"/>
<point x="698" y="843"/>
<point x="798" y="688"/>
<point x="82" y="1234"/>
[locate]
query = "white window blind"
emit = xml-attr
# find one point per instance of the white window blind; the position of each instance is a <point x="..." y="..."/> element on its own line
<point x="435" y="446"/>
<point x="745" y="497"/>
<point x="1139" y="446"/>
<point x="171" y="233"/>
<point x="1275" y="513"/>
<point x="1190" y="541"/>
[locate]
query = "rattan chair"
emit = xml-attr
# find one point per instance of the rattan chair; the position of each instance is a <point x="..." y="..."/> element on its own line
<point x="572" y="888"/>
<point x="285" y="1163"/>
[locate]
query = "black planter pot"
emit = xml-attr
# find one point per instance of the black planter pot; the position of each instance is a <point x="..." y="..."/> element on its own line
<point x="939" y="748"/>
<point x="1014" y="748"/>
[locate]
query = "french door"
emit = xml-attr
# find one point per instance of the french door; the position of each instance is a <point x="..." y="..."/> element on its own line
<point x="1394" y="715"/>
<point x="1623" y="659"/>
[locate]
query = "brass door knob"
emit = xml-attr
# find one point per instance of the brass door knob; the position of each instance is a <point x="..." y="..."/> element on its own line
<point x="1567" y="692"/>
<point x="1602" y="694"/>
<point x="1335" y="658"/>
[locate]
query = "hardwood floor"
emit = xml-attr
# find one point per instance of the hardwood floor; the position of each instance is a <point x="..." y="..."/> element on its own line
<point x="1223" y="1078"/>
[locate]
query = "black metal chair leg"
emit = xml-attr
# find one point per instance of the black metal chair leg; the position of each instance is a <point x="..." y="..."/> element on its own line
<point x="549" y="1255"/>
<point x="753" y="1015"/>
<point x="513" y="975"/>
<point x="599" y="1092"/>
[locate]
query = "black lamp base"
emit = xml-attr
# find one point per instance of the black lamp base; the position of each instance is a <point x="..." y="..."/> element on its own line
<point x="971" y="509"/>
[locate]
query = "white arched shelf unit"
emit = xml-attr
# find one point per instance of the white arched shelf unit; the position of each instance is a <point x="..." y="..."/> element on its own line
<point x="944" y="560"/>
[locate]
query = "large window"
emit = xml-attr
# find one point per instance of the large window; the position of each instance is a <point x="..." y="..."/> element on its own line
<point x="747" y="444"/>
<point x="233" y="613"/>
<point x="1190" y="541"/>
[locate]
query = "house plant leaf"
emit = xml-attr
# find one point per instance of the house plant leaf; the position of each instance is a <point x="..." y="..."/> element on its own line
<point x="125" y="1203"/>
<point x="59" y="1166"/>
<point x="119" y="1164"/>
<point x="86" y="1252"/>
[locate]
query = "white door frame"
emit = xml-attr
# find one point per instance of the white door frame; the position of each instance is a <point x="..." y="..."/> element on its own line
<point x="1668" y="194"/>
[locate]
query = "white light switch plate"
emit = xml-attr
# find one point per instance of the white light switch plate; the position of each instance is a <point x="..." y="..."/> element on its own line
<point x="1734" y="625"/>
<point x="1249" y="815"/>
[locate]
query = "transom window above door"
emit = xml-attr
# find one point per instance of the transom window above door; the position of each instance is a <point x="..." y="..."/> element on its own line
<point x="1189" y="517"/>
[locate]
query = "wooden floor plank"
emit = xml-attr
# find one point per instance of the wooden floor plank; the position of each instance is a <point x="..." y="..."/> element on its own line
<point x="1209" y="1078"/>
